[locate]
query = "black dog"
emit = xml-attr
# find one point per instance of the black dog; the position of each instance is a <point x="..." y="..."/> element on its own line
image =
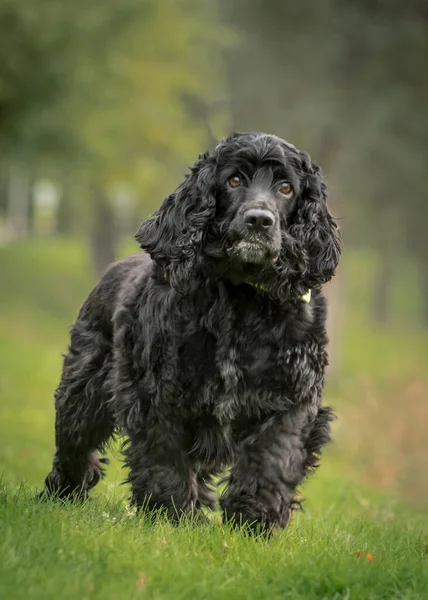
<point x="209" y="349"/>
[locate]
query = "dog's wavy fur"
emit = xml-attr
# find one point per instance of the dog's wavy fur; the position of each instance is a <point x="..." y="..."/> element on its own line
<point x="194" y="365"/>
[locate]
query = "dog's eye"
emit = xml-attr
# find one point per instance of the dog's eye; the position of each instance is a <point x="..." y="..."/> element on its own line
<point x="286" y="189"/>
<point x="234" y="181"/>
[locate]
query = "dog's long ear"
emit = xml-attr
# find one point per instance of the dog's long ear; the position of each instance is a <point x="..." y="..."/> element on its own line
<point x="174" y="235"/>
<point x="314" y="227"/>
<point x="312" y="245"/>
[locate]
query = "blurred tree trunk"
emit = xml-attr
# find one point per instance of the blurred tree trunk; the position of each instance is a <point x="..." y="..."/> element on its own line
<point x="334" y="290"/>
<point x="3" y="194"/>
<point x="31" y="206"/>
<point x="64" y="210"/>
<point x="382" y="288"/>
<point x="388" y="244"/>
<point x="103" y="233"/>
<point x="18" y="202"/>
<point x="3" y="207"/>
<point x="334" y="294"/>
<point x="424" y="291"/>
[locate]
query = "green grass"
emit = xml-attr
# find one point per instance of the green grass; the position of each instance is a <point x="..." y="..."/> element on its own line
<point x="102" y="550"/>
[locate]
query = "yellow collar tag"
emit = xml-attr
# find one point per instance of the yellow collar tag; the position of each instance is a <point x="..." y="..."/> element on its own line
<point x="307" y="297"/>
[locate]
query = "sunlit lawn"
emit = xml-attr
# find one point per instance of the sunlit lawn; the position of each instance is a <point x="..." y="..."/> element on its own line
<point x="351" y="542"/>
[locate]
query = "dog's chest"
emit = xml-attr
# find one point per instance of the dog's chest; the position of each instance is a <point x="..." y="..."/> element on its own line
<point x="246" y="369"/>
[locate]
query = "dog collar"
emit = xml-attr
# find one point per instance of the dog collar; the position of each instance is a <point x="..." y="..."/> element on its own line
<point x="305" y="298"/>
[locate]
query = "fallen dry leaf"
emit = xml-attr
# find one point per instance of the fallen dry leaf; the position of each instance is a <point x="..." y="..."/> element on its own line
<point x="141" y="582"/>
<point x="366" y="555"/>
<point x="26" y="452"/>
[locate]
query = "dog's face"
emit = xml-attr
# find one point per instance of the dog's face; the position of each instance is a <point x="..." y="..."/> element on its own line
<point x="257" y="189"/>
<point x="254" y="211"/>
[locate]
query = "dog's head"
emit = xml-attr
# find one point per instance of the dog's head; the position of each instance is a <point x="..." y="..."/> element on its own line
<point x="254" y="211"/>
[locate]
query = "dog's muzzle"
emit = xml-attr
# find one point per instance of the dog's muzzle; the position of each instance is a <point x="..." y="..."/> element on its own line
<point x="254" y="250"/>
<point x="255" y="237"/>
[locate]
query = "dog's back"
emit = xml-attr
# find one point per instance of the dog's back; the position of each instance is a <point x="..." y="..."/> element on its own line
<point x="98" y="309"/>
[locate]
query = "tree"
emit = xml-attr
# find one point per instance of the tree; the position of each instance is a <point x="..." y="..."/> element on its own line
<point x="107" y="103"/>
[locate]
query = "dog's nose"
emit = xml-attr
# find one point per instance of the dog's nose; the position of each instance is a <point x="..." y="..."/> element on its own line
<point x="259" y="218"/>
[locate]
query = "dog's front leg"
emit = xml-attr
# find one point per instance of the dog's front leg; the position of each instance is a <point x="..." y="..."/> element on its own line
<point x="160" y="476"/>
<point x="270" y="464"/>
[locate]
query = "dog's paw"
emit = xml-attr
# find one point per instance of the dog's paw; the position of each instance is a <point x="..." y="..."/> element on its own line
<point x="95" y="471"/>
<point x="257" y="517"/>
